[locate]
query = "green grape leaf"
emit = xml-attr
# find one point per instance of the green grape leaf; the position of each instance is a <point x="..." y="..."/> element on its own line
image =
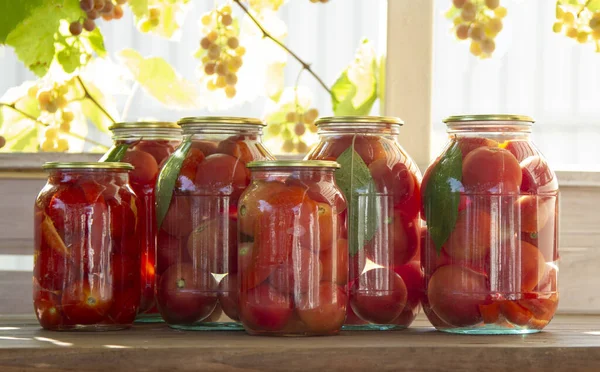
<point x="27" y="141"/>
<point x="69" y="59"/>
<point x="139" y="8"/>
<point x="165" y="184"/>
<point x="93" y="112"/>
<point x="358" y="186"/>
<point x="96" y="42"/>
<point x="115" y="153"/>
<point x="593" y="5"/>
<point x="442" y="196"/>
<point x="159" y="79"/>
<point x="355" y="91"/>
<point x="14" y="12"/>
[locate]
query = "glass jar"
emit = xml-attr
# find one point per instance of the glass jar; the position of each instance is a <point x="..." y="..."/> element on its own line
<point x="490" y="255"/>
<point x="293" y="250"/>
<point x="145" y="145"/>
<point x="382" y="186"/>
<point x="197" y="210"/>
<point x="86" y="255"/>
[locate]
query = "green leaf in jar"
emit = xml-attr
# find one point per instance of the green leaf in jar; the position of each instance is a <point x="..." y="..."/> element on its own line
<point x="167" y="178"/>
<point x="442" y="196"/>
<point x="358" y="186"/>
<point x="115" y="153"/>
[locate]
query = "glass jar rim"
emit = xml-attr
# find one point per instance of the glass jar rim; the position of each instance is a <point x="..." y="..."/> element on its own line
<point x="293" y="164"/>
<point x="489" y="118"/>
<point x="87" y="165"/>
<point x="359" y="120"/>
<point x="144" y="125"/>
<point x="220" y="120"/>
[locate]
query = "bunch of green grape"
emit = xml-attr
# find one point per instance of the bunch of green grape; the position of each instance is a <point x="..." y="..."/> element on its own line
<point x="479" y="21"/>
<point x="579" y="22"/>
<point x="94" y="9"/>
<point x="293" y="128"/>
<point x="259" y="5"/>
<point x="220" y="50"/>
<point x="53" y="103"/>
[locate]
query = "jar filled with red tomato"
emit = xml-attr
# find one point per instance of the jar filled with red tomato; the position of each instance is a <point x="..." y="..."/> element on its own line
<point x="197" y="209"/>
<point x="382" y="186"/>
<point x="87" y="254"/>
<point x="490" y="255"/>
<point x="145" y="145"/>
<point x="293" y="250"/>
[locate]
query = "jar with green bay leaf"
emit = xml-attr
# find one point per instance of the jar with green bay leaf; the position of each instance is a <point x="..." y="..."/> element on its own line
<point x="381" y="184"/>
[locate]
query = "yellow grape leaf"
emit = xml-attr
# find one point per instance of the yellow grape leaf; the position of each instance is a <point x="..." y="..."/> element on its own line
<point x="159" y="79"/>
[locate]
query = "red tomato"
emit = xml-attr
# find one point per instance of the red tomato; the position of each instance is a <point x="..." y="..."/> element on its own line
<point x="254" y="202"/>
<point x="63" y="206"/>
<point x="515" y="313"/>
<point x="412" y="275"/>
<point x="491" y="170"/>
<point x="169" y="251"/>
<point x="186" y="295"/>
<point x="537" y="176"/>
<point x="146" y="167"/>
<point x="179" y="219"/>
<point x="395" y="243"/>
<point x="210" y="244"/>
<point x="398" y="181"/>
<point x="534" y="212"/>
<point x="431" y="259"/>
<point x="455" y="293"/>
<point x="87" y="239"/>
<point x="546" y="239"/>
<point x="324" y="310"/>
<point x="87" y="302"/>
<point x="541" y="308"/>
<point x="370" y="148"/>
<point x="468" y="144"/>
<point x="189" y="168"/>
<point x="521" y="149"/>
<point x="229" y="296"/>
<point x="490" y="312"/>
<point x="47" y="309"/>
<point x="92" y="190"/>
<point x="335" y="263"/>
<point x="300" y="274"/>
<point x="254" y="267"/>
<point x="469" y="242"/>
<point x="265" y="309"/>
<point x="379" y="296"/>
<point x="125" y="306"/>
<point x="326" y="226"/>
<point x="239" y="148"/>
<point x="352" y="318"/>
<point x="221" y="174"/>
<point x="533" y="266"/>
<point x="160" y="150"/>
<point x="433" y="318"/>
<point x="123" y="215"/>
<point x="125" y="273"/>
<point x="50" y="268"/>
<point x="207" y="147"/>
<point x="424" y="183"/>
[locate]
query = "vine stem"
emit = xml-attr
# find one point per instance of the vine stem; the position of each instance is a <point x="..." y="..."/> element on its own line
<point x="583" y="7"/>
<point x="305" y="65"/>
<point x="35" y="120"/>
<point x="91" y="98"/>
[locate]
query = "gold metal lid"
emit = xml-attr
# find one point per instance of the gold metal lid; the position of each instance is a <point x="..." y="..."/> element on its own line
<point x="145" y="124"/>
<point x="293" y="163"/>
<point x="88" y="165"/>
<point x="359" y="120"/>
<point x="218" y="120"/>
<point x="488" y="117"/>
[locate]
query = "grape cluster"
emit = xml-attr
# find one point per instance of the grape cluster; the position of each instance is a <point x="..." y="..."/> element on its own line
<point x="220" y="50"/>
<point x="94" y="9"/>
<point x="293" y="128"/>
<point x="578" y="22"/>
<point x="480" y="21"/>
<point x="319" y="1"/>
<point x="53" y="102"/>
<point x="259" y="5"/>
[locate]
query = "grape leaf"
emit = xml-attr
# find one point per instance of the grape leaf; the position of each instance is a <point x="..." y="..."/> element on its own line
<point x="14" y="12"/>
<point x="167" y="178"/>
<point x="69" y="59"/>
<point x="355" y="91"/>
<point x="160" y="80"/>
<point x="357" y="185"/>
<point x="442" y="196"/>
<point x="115" y="153"/>
<point x="95" y="41"/>
<point x="593" y="5"/>
<point x="139" y="8"/>
<point x="25" y="142"/>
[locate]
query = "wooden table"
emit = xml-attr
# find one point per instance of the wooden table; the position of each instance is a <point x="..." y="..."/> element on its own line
<point x="570" y="343"/>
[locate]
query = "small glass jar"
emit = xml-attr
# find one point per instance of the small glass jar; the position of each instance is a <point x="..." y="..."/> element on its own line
<point x="490" y="255"/>
<point x="293" y="250"/>
<point x="86" y="255"/>
<point x="146" y="145"/>
<point x="381" y="184"/>
<point x="197" y="240"/>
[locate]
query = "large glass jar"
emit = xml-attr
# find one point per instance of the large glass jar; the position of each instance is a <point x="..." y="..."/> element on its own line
<point x="85" y="274"/>
<point x="293" y="250"/>
<point x="145" y="145"/>
<point x="490" y="255"/>
<point x="197" y="210"/>
<point x="382" y="186"/>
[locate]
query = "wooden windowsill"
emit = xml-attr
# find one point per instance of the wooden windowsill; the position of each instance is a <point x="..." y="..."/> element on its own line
<point x="570" y="343"/>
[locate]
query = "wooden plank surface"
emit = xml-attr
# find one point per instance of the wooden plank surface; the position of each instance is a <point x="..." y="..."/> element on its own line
<point x="570" y="343"/>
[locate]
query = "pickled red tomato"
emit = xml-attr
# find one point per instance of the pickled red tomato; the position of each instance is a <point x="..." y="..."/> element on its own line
<point x="264" y="308"/>
<point x="424" y="183"/>
<point x="533" y="266"/>
<point x="521" y="149"/>
<point x="378" y="296"/>
<point x="146" y="167"/>
<point x="468" y="144"/>
<point x="397" y="180"/>
<point x="534" y="212"/>
<point x="352" y="318"/>
<point x="254" y="202"/>
<point x="300" y="274"/>
<point x="237" y="147"/>
<point x="515" y="313"/>
<point x="490" y="313"/>
<point x="125" y="306"/>
<point x="431" y="259"/>
<point x="189" y="168"/>
<point x="47" y="309"/>
<point x="491" y="169"/>
<point x="124" y="272"/>
<point x="335" y="271"/>
<point x="368" y="147"/>
<point x="395" y="243"/>
<point x="169" y="250"/>
<point x="207" y="147"/>
<point x="545" y="239"/>
<point x="323" y="310"/>
<point x="122" y="212"/>
<point x="221" y="174"/>
<point x="178" y="221"/>
<point x="159" y="149"/>
<point x="211" y="242"/>
<point x="433" y="318"/>
<point x="542" y="308"/>
<point x="61" y="206"/>
<point x="455" y="292"/>
<point x="186" y="295"/>
<point x="537" y="176"/>
<point x="255" y="267"/>
<point x="229" y="296"/>
<point x="326" y="226"/>
<point x="412" y="275"/>
<point x="470" y="240"/>
<point x="87" y="302"/>
<point x="50" y="267"/>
